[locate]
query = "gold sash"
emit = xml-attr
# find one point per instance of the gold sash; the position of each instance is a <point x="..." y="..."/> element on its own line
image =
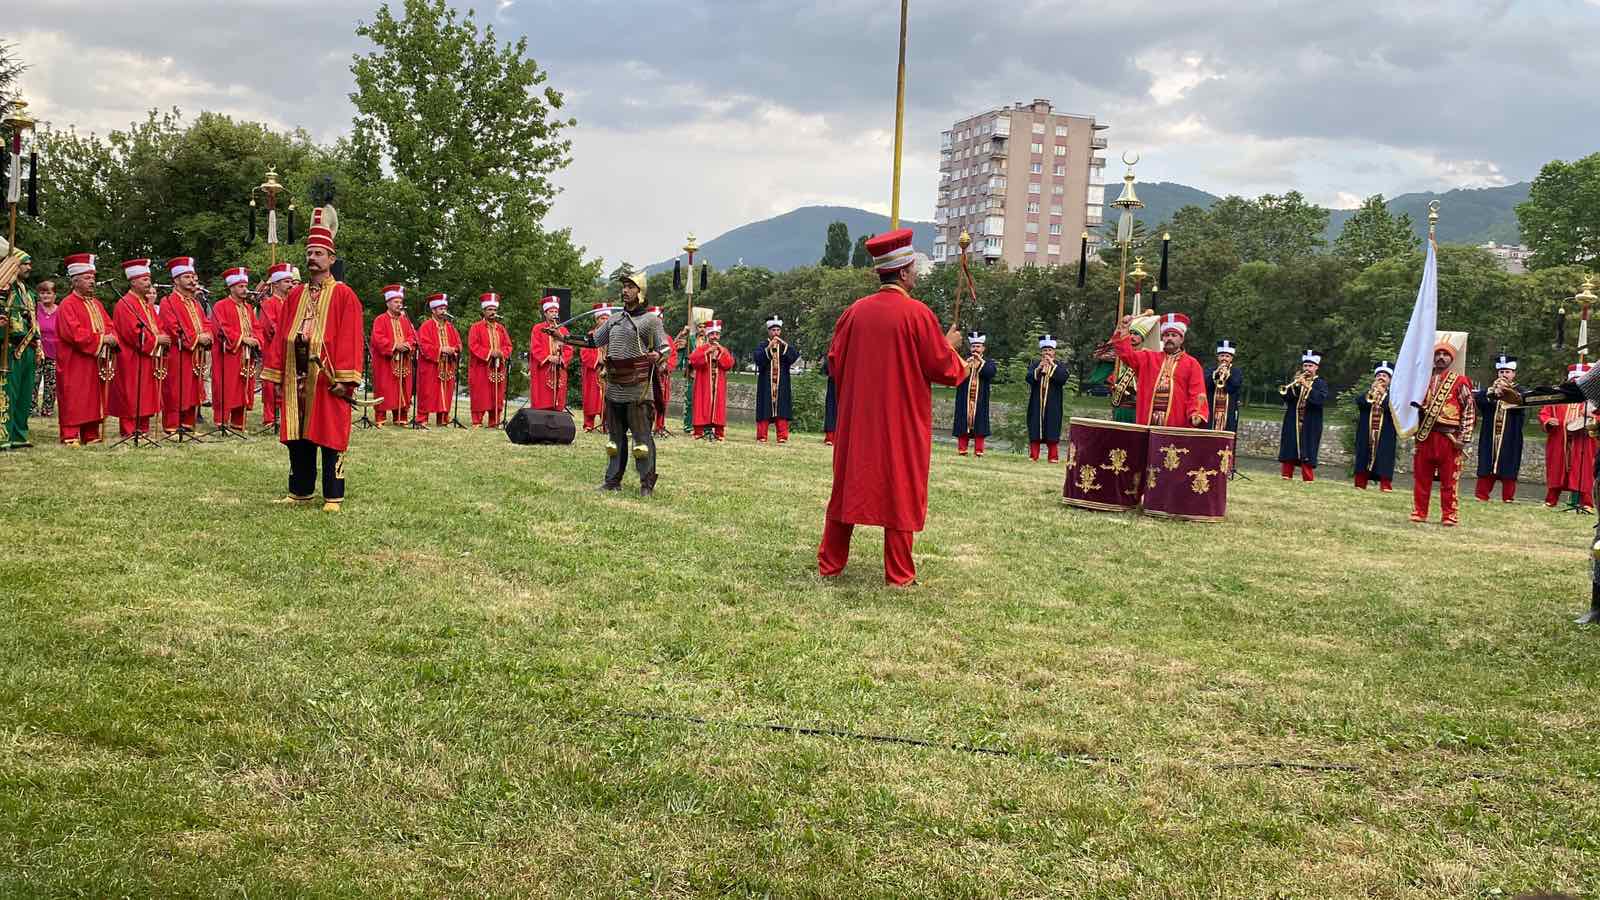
<point x="305" y="391"/>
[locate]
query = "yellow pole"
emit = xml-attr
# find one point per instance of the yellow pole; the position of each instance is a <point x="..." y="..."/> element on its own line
<point x="899" y="120"/>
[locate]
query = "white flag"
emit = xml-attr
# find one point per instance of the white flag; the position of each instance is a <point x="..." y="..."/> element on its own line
<point x="14" y="180"/>
<point x="1414" y="369"/>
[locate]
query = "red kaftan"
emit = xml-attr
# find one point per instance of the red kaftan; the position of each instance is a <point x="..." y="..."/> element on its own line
<point x="1187" y="398"/>
<point x="433" y="394"/>
<point x="1568" y="454"/>
<point x="135" y="384"/>
<point x="710" y="387"/>
<point x="887" y="348"/>
<point x="80" y="394"/>
<point x="593" y="398"/>
<point x="388" y="332"/>
<point x="233" y="321"/>
<point x="267" y="318"/>
<point x="484" y="338"/>
<point x="547" y="385"/>
<point x="180" y="313"/>
<point x="332" y="322"/>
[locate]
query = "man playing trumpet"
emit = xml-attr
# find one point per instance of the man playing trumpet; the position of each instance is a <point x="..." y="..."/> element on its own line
<point x="1500" y="441"/>
<point x="1376" y="437"/>
<point x="141" y="353"/>
<point x="1300" y="440"/>
<point x="774" y="400"/>
<point x="1047" y="379"/>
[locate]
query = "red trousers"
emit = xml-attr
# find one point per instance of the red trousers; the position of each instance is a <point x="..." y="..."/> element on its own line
<point x="783" y="430"/>
<point x="898" y="566"/>
<point x="1055" y="450"/>
<point x="126" y="425"/>
<point x="718" y="430"/>
<point x="494" y="418"/>
<point x="827" y="438"/>
<point x="1585" y="497"/>
<point x="401" y="416"/>
<point x="661" y="419"/>
<point x="269" y="403"/>
<point x="1365" y="478"/>
<point x="1435" y="457"/>
<point x="88" y="433"/>
<point x="1308" y="472"/>
<point x="961" y="444"/>
<point x="1508" y="488"/>
<point x="171" y="419"/>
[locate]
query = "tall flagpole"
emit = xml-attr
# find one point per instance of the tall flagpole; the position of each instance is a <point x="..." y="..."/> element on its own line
<point x="899" y="120"/>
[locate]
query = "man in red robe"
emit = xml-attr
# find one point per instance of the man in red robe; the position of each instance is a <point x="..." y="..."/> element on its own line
<point x="1172" y="384"/>
<point x="232" y="386"/>
<point x="280" y="281"/>
<point x="182" y="391"/>
<point x="439" y="351"/>
<point x="549" y="359"/>
<point x="83" y="331"/>
<point x="135" y="391"/>
<point x="594" y="403"/>
<point x="1444" y="431"/>
<point x="489" y="346"/>
<point x="316" y="359"/>
<point x="710" y="363"/>
<point x="887" y="351"/>
<point x="664" y="378"/>
<point x="393" y="339"/>
<point x="1569" y="449"/>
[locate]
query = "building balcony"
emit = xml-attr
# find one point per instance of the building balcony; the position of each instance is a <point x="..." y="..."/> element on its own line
<point x="1097" y="142"/>
<point x="991" y="251"/>
<point x="1097" y="162"/>
<point x="1094" y="221"/>
<point x="998" y="147"/>
<point x="1002" y="127"/>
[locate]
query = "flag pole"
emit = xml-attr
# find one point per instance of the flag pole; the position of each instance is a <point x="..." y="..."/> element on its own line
<point x="899" y="120"/>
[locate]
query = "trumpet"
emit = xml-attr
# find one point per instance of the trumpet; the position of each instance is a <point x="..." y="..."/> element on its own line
<point x="106" y="357"/>
<point x="1220" y="377"/>
<point x="1301" y="381"/>
<point x="159" y="357"/>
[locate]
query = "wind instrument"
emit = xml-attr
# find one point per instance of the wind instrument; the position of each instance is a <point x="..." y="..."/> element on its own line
<point x="106" y="357"/>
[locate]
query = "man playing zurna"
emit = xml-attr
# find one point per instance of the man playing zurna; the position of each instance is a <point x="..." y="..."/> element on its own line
<point x="774" y="397"/>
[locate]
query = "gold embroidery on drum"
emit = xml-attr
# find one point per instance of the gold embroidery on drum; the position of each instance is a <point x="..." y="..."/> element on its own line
<point x="1201" y="479"/>
<point x="1173" y="452"/>
<point x="1118" y="462"/>
<point x="1087" y="480"/>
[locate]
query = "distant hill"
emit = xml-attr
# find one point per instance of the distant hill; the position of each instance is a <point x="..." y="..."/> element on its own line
<point x="1466" y="216"/>
<point x="795" y="238"/>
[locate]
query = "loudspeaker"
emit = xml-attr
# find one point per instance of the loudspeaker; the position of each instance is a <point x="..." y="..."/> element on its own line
<point x="541" y="426"/>
<point x="565" y="296"/>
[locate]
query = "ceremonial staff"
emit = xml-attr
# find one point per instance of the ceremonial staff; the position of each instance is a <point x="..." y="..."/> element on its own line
<point x="964" y="285"/>
<point x="17" y="122"/>
<point x="271" y="188"/>
<point x="899" y="120"/>
<point x="1128" y="201"/>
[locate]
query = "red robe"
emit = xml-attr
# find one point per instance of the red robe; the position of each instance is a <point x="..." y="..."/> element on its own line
<point x="80" y="394"/>
<point x="482" y="339"/>
<point x="267" y="319"/>
<point x="233" y="320"/>
<point x="547" y="385"/>
<point x="388" y="332"/>
<point x="310" y="411"/>
<point x="710" y="393"/>
<point x="593" y="391"/>
<point x="179" y="313"/>
<point x="135" y="391"/>
<point x="1568" y="455"/>
<point x="1181" y="374"/>
<point x="664" y="379"/>
<point x="887" y="349"/>
<point x="436" y="387"/>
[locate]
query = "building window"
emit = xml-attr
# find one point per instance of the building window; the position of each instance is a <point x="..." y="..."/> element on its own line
<point x="1033" y="206"/>
<point x="1055" y="209"/>
<point x="1061" y="131"/>
<point x="1038" y="128"/>
<point x="1061" y="149"/>
<point x="1055" y="229"/>
<point x="1033" y="188"/>
<point x="1035" y="168"/>
<point x="1035" y="147"/>
<point x="1058" y="189"/>
<point x="1054" y="249"/>
<point x="1061" y="170"/>
<point x="1031" y="228"/>
<point x="1030" y="247"/>
<point x="984" y="168"/>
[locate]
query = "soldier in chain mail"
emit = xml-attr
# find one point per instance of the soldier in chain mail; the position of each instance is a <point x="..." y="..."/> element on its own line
<point x="635" y="342"/>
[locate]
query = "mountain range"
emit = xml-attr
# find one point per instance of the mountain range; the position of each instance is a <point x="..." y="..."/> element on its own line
<point x="794" y="239"/>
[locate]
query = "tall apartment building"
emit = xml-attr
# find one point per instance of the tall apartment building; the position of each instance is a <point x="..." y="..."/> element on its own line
<point x="1024" y="181"/>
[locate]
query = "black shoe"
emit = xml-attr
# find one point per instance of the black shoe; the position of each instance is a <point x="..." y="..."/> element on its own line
<point x="610" y="486"/>
<point x="1593" y="616"/>
<point x="647" y="486"/>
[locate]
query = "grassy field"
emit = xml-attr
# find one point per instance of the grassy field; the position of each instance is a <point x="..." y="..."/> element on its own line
<point x="483" y="678"/>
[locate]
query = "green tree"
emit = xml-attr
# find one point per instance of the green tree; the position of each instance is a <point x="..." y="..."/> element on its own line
<point x="11" y="68"/>
<point x="1373" y="234"/>
<point x="836" y="252"/>
<point x="859" y="257"/>
<point x="456" y="137"/>
<point x="1561" y="219"/>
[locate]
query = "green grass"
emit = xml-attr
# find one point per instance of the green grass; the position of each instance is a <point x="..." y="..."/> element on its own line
<point x="435" y="692"/>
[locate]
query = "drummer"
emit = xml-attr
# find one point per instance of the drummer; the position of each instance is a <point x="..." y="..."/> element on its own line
<point x="1172" y="386"/>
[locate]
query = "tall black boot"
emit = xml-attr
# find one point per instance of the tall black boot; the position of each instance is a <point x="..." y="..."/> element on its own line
<point x="1593" y="616"/>
<point x="647" y="485"/>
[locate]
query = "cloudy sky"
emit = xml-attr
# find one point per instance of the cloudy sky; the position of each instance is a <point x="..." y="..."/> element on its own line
<point x="705" y="114"/>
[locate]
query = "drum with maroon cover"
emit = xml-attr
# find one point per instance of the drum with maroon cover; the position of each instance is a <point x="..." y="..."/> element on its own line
<point x="1187" y="474"/>
<point x="1105" y="464"/>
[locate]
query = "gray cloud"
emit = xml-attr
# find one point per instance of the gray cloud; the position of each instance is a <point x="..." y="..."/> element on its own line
<point x="706" y="113"/>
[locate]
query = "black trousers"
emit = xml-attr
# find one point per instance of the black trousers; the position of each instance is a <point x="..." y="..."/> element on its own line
<point x="303" y="470"/>
<point x="638" y="417"/>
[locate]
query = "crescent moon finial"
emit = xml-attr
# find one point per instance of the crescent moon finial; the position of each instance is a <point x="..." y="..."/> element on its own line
<point x="1130" y="162"/>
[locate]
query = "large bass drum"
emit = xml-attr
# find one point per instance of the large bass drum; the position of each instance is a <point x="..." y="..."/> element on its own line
<point x="1105" y="464"/>
<point x="1188" y="473"/>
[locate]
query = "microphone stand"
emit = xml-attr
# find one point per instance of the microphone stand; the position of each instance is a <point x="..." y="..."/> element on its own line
<point x="138" y="438"/>
<point x="184" y="434"/>
<point x="364" y="423"/>
<point x="416" y="424"/>
<point x="219" y="402"/>
<point x="455" y="394"/>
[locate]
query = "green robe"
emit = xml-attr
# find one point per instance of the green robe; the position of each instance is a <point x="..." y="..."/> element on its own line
<point x="1128" y="409"/>
<point x="22" y="356"/>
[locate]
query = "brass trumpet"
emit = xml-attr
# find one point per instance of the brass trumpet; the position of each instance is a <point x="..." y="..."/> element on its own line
<point x="1220" y="377"/>
<point x="1301" y="380"/>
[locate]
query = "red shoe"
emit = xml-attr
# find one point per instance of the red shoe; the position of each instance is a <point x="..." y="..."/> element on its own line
<point x="1418" y="519"/>
<point x="1449" y="522"/>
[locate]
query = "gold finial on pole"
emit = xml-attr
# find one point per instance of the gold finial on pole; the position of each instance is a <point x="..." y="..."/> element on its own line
<point x="1585" y="298"/>
<point x="899" y="120"/>
<point x="1433" y="217"/>
<point x="17" y="121"/>
<point x="271" y="187"/>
